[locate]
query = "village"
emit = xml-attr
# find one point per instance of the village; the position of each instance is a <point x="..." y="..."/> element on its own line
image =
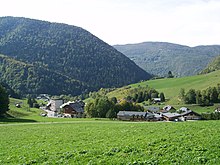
<point x="75" y="109"/>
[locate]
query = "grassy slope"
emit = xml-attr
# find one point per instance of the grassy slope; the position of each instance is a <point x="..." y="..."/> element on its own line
<point x="171" y="87"/>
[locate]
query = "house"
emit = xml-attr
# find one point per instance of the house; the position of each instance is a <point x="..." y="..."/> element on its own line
<point x="156" y="100"/>
<point x="171" y="116"/>
<point x="188" y="115"/>
<point x="184" y="109"/>
<point x="217" y="109"/>
<point x="73" y="109"/>
<point x="54" y="105"/>
<point x="168" y="108"/>
<point x="191" y="115"/>
<point x="153" y="109"/>
<point x="158" y="117"/>
<point x="134" y="116"/>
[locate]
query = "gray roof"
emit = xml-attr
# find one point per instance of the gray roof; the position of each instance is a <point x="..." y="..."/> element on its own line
<point x="153" y="109"/>
<point x="171" y="115"/>
<point x="131" y="113"/>
<point x="184" y="109"/>
<point x="168" y="107"/>
<point x="74" y="105"/>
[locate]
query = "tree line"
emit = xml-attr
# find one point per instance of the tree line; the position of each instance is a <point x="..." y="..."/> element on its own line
<point x="202" y="97"/>
<point x="103" y="107"/>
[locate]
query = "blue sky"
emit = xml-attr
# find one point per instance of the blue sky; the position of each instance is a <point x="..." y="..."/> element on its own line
<point x="186" y="22"/>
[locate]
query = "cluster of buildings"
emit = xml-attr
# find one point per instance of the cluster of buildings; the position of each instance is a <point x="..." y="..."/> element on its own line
<point x="57" y="108"/>
<point x="168" y="113"/>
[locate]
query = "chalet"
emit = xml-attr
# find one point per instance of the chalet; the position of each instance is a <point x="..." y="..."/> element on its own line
<point x="168" y="108"/>
<point x="134" y="116"/>
<point x="171" y="116"/>
<point x="156" y="100"/>
<point x="191" y="115"/>
<point x="184" y="109"/>
<point x="73" y="109"/>
<point x="217" y="109"/>
<point x="54" y="105"/>
<point x="153" y="109"/>
<point x="188" y="115"/>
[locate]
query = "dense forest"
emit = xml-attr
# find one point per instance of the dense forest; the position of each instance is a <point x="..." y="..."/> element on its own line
<point x="28" y="79"/>
<point x="159" y="58"/>
<point x="59" y="54"/>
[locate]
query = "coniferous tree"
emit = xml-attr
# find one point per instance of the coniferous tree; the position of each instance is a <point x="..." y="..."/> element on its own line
<point x="162" y="97"/>
<point x="4" y="100"/>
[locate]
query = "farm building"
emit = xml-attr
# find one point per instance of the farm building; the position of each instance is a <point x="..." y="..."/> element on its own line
<point x="73" y="109"/>
<point x="168" y="108"/>
<point x="54" y="105"/>
<point x="187" y="115"/>
<point x="171" y="116"/>
<point x="134" y="116"/>
<point x="153" y="109"/>
<point x="156" y="100"/>
<point x="191" y="115"/>
<point x="217" y="109"/>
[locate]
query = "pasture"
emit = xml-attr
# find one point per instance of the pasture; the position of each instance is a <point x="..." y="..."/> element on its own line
<point x="110" y="142"/>
<point x="171" y="86"/>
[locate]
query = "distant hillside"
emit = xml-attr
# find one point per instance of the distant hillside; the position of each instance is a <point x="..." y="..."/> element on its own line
<point x="67" y="52"/>
<point x="159" y="57"/>
<point x="212" y="66"/>
<point x="171" y="86"/>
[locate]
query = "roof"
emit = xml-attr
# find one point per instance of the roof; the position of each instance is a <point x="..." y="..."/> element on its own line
<point x="131" y="113"/>
<point x="157" y="99"/>
<point x="74" y="105"/>
<point x="184" y="109"/>
<point x="153" y="109"/>
<point x="188" y="112"/>
<point x="168" y="107"/>
<point x="171" y="115"/>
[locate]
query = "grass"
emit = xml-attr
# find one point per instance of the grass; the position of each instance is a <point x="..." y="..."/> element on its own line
<point x="171" y="87"/>
<point x="111" y="142"/>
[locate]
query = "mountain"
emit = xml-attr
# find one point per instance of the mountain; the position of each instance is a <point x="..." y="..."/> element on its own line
<point x="25" y="78"/>
<point x="65" y="53"/>
<point x="160" y="57"/>
<point x="212" y="66"/>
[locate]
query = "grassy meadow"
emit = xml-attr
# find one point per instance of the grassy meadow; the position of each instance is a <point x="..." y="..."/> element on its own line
<point x="110" y="142"/>
<point x="171" y="86"/>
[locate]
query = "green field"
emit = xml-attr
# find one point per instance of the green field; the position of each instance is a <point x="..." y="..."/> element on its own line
<point x="110" y="142"/>
<point x="171" y="86"/>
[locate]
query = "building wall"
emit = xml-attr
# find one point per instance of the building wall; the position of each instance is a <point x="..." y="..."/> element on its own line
<point x="55" y="105"/>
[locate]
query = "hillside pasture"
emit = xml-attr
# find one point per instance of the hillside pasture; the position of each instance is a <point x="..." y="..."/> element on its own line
<point x="110" y="142"/>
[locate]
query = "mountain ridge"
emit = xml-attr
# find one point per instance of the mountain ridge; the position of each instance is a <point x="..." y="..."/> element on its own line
<point x="161" y="57"/>
<point x="68" y="50"/>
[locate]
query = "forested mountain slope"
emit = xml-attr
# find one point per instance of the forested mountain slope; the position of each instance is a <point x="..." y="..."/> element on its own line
<point x="160" y="57"/>
<point x="212" y="66"/>
<point x="28" y="79"/>
<point x="68" y="51"/>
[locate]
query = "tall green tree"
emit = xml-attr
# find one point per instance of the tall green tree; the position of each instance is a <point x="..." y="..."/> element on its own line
<point x="190" y="97"/>
<point x="162" y="97"/>
<point x="4" y="100"/>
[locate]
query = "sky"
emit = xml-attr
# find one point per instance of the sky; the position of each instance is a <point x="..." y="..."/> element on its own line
<point x="186" y="22"/>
